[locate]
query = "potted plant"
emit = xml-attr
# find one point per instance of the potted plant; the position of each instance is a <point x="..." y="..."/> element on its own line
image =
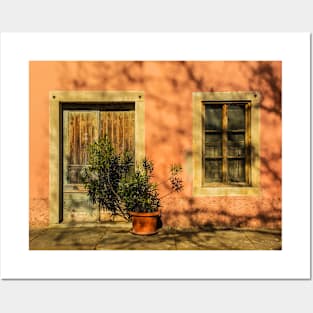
<point x="142" y="199"/>
<point x="113" y="183"/>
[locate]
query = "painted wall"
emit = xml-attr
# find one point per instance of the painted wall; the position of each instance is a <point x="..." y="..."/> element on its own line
<point x="168" y="88"/>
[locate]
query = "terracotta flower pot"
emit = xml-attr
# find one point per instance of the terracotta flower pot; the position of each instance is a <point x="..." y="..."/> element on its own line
<point x="145" y="223"/>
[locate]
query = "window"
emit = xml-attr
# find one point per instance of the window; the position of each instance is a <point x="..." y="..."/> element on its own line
<point x="225" y="143"/>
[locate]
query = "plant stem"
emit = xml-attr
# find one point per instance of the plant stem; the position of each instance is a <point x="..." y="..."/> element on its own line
<point x="99" y="217"/>
<point x="167" y="194"/>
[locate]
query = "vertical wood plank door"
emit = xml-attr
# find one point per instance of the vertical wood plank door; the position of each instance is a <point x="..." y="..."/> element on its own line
<point x="80" y="129"/>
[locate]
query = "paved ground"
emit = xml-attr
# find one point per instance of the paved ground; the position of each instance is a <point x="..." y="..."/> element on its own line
<point x="118" y="237"/>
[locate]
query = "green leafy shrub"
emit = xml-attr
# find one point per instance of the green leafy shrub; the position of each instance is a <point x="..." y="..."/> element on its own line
<point x="114" y="184"/>
<point x="102" y="176"/>
<point x="137" y="192"/>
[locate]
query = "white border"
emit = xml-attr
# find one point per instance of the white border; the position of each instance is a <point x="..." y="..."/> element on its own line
<point x="293" y="262"/>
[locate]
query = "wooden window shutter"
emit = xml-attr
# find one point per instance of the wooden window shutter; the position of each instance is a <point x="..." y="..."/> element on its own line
<point x="226" y="143"/>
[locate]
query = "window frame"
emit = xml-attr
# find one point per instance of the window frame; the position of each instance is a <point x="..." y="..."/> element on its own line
<point x="224" y="131"/>
<point x="202" y="188"/>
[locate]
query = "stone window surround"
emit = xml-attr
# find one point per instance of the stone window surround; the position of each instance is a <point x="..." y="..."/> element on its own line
<point x="198" y="98"/>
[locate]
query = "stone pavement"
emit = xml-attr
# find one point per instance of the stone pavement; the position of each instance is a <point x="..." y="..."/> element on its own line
<point x="117" y="236"/>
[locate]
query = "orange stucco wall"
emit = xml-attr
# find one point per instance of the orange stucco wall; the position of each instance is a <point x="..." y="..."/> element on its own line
<point x="168" y="88"/>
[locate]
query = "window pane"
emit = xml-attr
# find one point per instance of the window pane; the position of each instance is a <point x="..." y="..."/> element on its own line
<point x="213" y="170"/>
<point x="213" y="145"/>
<point x="73" y="174"/>
<point x="119" y="127"/>
<point x="236" y="170"/>
<point x="213" y="118"/>
<point x="236" y="117"/>
<point x="236" y="145"/>
<point x="80" y="130"/>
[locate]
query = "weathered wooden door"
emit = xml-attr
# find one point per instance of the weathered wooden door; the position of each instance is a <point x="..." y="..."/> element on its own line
<point x="80" y="128"/>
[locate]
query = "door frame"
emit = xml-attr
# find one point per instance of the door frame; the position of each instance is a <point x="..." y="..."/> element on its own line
<point x="80" y="98"/>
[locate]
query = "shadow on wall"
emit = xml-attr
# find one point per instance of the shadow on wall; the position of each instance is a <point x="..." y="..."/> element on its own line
<point x="101" y="75"/>
<point x="175" y="139"/>
<point x="227" y="213"/>
<point x="263" y="76"/>
<point x="168" y="130"/>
